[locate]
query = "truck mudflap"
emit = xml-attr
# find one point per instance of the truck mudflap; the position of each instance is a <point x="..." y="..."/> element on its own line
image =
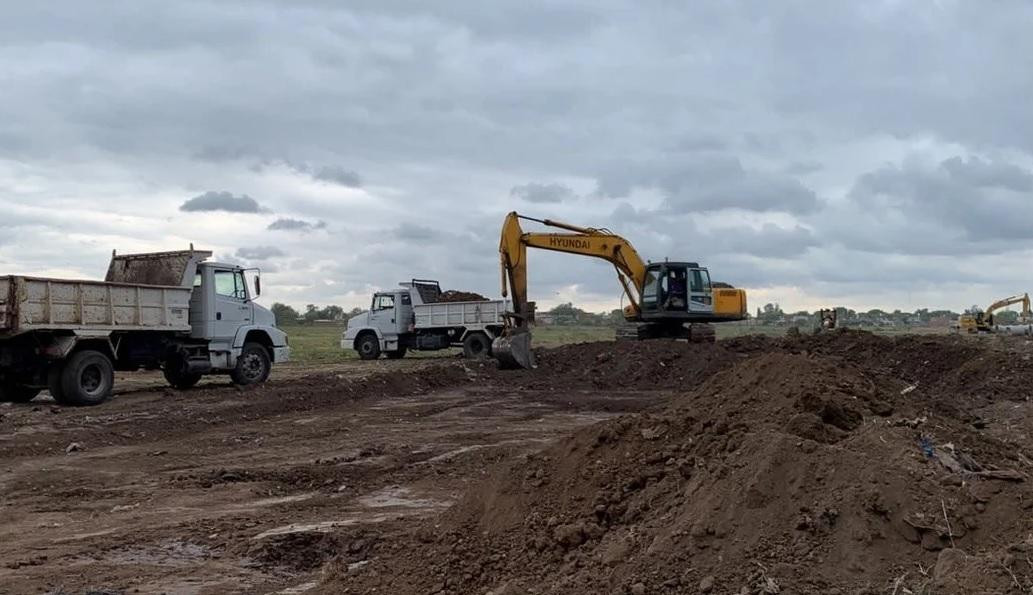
<point x="512" y="350"/>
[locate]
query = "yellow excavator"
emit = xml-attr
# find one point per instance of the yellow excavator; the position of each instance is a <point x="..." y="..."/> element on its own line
<point x="983" y="322"/>
<point x="665" y="299"/>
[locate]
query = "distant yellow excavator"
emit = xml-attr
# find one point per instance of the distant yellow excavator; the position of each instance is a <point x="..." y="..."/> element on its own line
<point x="666" y="299"/>
<point x="983" y="322"/>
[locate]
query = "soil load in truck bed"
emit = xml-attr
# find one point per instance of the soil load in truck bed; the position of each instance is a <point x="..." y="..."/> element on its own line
<point x="453" y="295"/>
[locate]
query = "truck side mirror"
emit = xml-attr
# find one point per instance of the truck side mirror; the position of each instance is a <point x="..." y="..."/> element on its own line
<point x="258" y="286"/>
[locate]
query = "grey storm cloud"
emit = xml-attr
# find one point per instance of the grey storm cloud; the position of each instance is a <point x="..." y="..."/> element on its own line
<point x="331" y="174"/>
<point x="337" y="175"/>
<point x="984" y="199"/>
<point x="542" y="193"/>
<point x="411" y="231"/>
<point x="300" y="225"/>
<point x="960" y="207"/>
<point x="259" y="253"/>
<point x="221" y="201"/>
<point x="709" y="183"/>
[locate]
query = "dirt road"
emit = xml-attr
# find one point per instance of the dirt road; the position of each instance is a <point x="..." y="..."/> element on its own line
<point x="220" y="490"/>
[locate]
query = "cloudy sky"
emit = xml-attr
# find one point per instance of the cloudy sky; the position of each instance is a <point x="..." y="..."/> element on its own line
<point x="868" y="154"/>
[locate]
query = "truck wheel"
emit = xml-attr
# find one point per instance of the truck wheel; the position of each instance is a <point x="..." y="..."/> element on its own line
<point x="397" y="354"/>
<point x="177" y="376"/>
<point x="368" y="346"/>
<point x="17" y="393"/>
<point x="86" y="379"/>
<point x="476" y="346"/>
<point x="54" y="382"/>
<point x="253" y="365"/>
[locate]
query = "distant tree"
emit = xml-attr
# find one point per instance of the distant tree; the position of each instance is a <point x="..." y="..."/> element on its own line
<point x="332" y="313"/>
<point x="311" y="313"/>
<point x="284" y="313"/>
<point x="1006" y="317"/>
<point x="973" y="309"/>
<point x="567" y="313"/>
<point x="616" y="316"/>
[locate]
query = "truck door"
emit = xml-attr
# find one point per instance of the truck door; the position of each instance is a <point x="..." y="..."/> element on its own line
<point x="383" y="315"/>
<point x="231" y="306"/>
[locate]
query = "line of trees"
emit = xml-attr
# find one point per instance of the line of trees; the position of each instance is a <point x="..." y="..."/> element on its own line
<point x="288" y="315"/>
<point x="568" y="314"/>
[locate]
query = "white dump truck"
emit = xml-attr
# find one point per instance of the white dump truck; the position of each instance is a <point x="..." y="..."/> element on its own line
<point x="414" y="317"/>
<point x="166" y="310"/>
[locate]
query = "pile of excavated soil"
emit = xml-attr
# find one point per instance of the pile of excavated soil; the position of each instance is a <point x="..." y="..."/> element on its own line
<point x="454" y="295"/>
<point x="838" y="463"/>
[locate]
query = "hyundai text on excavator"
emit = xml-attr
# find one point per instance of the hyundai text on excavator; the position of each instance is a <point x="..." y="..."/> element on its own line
<point x="983" y="322"/>
<point x="666" y="299"/>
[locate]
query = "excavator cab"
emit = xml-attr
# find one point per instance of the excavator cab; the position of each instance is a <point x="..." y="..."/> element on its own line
<point x="676" y="290"/>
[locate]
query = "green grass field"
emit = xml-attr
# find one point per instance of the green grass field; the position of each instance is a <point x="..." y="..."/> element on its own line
<point x="316" y="344"/>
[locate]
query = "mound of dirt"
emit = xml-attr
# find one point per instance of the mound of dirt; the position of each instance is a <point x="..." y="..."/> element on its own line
<point x="837" y="463"/>
<point x="647" y="365"/>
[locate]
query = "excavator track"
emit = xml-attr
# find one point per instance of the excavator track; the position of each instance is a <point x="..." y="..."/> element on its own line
<point x="643" y="331"/>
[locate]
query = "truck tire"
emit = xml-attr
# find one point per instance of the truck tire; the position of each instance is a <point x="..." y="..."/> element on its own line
<point x="86" y="379"/>
<point x="54" y="382"/>
<point x="396" y="354"/>
<point x="177" y="376"/>
<point x="368" y="346"/>
<point x="17" y="393"/>
<point x="477" y="346"/>
<point x="253" y="365"/>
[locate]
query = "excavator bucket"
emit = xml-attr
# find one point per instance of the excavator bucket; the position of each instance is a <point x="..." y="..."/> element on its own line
<point x="513" y="350"/>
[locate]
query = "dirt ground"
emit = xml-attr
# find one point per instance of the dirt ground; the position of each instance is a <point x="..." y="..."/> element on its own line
<point x="839" y="463"/>
<point x="219" y="490"/>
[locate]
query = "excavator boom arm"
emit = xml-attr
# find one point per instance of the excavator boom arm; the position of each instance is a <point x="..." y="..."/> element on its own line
<point x="1008" y="301"/>
<point x="586" y="241"/>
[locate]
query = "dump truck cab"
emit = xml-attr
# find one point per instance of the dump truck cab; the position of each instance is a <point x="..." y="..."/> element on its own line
<point x="224" y="313"/>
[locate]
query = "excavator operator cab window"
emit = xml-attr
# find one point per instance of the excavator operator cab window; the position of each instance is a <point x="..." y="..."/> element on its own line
<point x="667" y="288"/>
<point x="675" y="288"/>
<point x="700" y="286"/>
<point x="650" y="290"/>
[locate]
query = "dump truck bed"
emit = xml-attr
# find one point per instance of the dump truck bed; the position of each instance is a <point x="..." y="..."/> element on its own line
<point x="459" y="313"/>
<point x="41" y="304"/>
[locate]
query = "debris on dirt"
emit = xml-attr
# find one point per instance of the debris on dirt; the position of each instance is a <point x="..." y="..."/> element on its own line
<point x="74" y="447"/>
<point x="910" y="423"/>
<point x="298" y="552"/>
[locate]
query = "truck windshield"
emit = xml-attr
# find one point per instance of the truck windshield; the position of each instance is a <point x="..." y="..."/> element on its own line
<point x="383" y="302"/>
